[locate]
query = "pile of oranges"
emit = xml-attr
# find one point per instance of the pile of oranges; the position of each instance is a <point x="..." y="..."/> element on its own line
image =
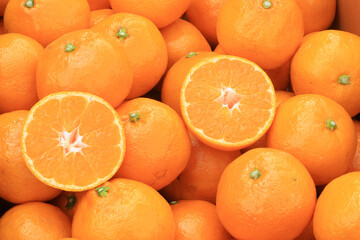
<point x="179" y="120"/>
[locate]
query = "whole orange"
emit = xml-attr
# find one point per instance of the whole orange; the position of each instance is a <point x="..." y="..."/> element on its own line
<point x="85" y="61"/>
<point x="144" y="46"/>
<point x="34" y="221"/>
<point x="318" y="131"/>
<point x="197" y="220"/>
<point x="265" y="194"/>
<point x="157" y="142"/>
<point x="123" y="209"/>
<point x="19" y="56"/>
<point x="200" y="178"/>
<point x="46" y="20"/>
<point x="160" y="12"/>
<point x="337" y="212"/>
<point x="328" y="63"/>
<point x="263" y="31"/>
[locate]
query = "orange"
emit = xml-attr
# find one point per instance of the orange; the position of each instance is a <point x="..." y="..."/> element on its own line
<point x="281" y="96"/>
<point x="181" y="38"/>
<point x="328" y="63"/>
<point x="219" y="50"/>
<point x="204" y="14"/>
<point x="227" y="102"/>
<point x="318" y="131"/>
<point x="19" y="56"/>
<point x="174" y="78"/>
<point x="308" y="233"/>
<point x="355" y="166"/>
<point x="123" y="209"/>
<point x="97" y="16"/>
<point x="265" y="194"/>
<point x="160" y="12"/>
<point x="317" y="15"/>
<point x="17" y="184"/>
<point x="201" y="176"/>
<point x="46" y="20"/>
<point x="157" y="143"/>
<point x="98" y="4"/>
<point x="33" y="221"/>
<point x="73" y="141"/>
<point x="3" y="4"/>
<point x="68" y="202"/>
<point x="85" y="61"/>
<point x="144" y="46"/>
<point x="263" y="31"/>
<point x="197" y="220"/>
<point x="347" y="16"/>
<point x="67" y="238"/>
<point x="2" y="29"/>
<point x="337" y="212"/>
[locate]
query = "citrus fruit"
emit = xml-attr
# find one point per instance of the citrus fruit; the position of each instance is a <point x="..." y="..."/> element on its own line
<point x="347" y="16"/>
<point x="73" y="141"/>
<point x="157" y="143"/>
<point x="2" y="29"/>
<point x="355" y="166"/>
<point x="308" y="233"/>
<point x="227" y="102"/>
<point x="85" y="61"/>
<point x="97" y="16"/>
<point x="123" y="209"/>
<point x="98" y="4"/>
<point x="265" y="194"/>
<point x="68" y="202"/>
<point x="3" y="4"/>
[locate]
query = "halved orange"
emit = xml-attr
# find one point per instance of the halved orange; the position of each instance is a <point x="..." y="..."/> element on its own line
<point x="227" y="102"/>
<point x="73" y="141"/>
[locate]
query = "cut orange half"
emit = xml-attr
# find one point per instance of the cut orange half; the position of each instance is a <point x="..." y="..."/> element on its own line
<point x="227" y="102"/>
<point x="73" y="141"/>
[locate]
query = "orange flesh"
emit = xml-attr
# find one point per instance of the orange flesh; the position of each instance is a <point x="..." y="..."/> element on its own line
<point x="229" y="100"/>
<point x="73" y="142"/>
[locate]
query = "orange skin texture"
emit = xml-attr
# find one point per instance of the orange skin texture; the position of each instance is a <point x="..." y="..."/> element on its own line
<point x="278" y="205"/>
<point x="170" y="92"/>
<point x="197" y="220"/>
<point x="204" y="14"/>
<point x="337" y="215"/>
<point x="181" y="38"/>
<point x="132" y="210"/>
<point x="98" y="4"/>
<point x="200" y="178"/>
<point x="281" y="96"/>
<point x="355" y="166"/>
<point x="97" y="65"/>
<point x="19" y="56"/>
<point x="243" y="30"/>
<point x="347" y="16"/>
<point x="17" y="184"/>
<point x="33" y="221"/>
<point x="97" y="16"/>
<point x="160" y="12"/>
<point x="158" y="145"/>
<point x="61" y="202"/>
<point x="3" y="4"/>
<point x="48" y="19"/>
<point x="308" y="233"/>
<point x="317" y="15"/>
<point x="299" y="128"/>
<point x="280" y="76"/>
<point x="145" y="48"/>
<point x="321" y="60"/>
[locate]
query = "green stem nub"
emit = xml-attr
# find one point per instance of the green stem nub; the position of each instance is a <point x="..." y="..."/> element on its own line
<point x="344" y="79"/>
<point x="173" y="202"/>
<point x="122" y="33"/>
<point x="69" y="47"/>
<point x="134" y="117"/>
<point x="102" y="191"/>
<point x="267" y="4"/>
<point x="255" y="174"/>
<point x="29" y="3"/>
<point x="71" y="201"/>
<point x="192" y="54"/>
<point x="330" y="124"/>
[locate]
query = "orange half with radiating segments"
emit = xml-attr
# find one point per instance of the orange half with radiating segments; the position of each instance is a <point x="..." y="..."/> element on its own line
<point x="73" y="141"/>
<point x="227" y="102"/>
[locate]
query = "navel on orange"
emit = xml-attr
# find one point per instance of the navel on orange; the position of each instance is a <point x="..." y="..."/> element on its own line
<point x="227" y="102"/>
<point x="73" y="141"/>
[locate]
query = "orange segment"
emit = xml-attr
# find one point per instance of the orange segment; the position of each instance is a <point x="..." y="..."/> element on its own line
<point x="227" y="102"/>
<point x="73" y="141"/>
